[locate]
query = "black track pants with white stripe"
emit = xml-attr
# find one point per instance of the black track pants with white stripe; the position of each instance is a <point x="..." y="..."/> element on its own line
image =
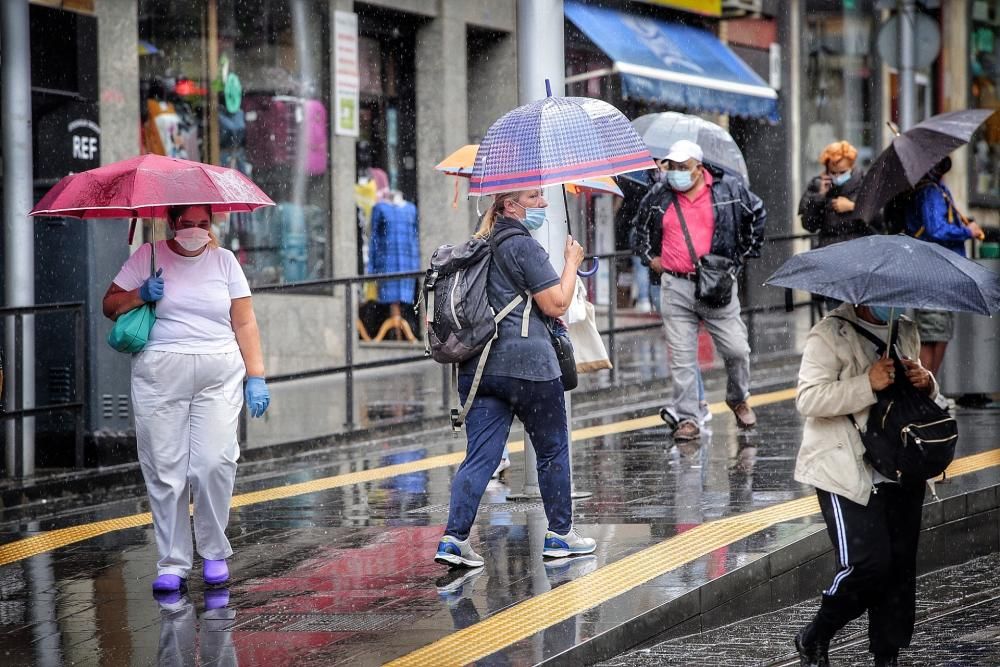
<point x="876" y="550"/>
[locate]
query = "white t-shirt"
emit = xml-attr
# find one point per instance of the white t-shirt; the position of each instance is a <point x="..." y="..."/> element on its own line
<point x="193" y="315"/>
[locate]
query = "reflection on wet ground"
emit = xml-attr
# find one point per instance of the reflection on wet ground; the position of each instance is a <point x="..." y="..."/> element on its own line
<point x="345" y="576"/>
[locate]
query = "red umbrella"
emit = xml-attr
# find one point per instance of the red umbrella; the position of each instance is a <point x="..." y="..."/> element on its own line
<point x="146" y="186"/>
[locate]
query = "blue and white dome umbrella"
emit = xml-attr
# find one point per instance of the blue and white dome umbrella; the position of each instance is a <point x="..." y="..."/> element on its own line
<point x="553" y="141"/>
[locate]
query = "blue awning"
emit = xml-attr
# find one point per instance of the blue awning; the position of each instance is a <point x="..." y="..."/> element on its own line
<point x="672" y="63"/>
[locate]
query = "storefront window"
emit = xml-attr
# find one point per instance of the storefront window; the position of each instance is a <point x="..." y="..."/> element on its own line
<point x="245" y="84"/>
<point x="839" y="101"/>
<point x="984" y="74"/>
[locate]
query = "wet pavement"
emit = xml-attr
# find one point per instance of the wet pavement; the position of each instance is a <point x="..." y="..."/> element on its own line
<point x="334" y="547"/>
<point x="958" y="625"/>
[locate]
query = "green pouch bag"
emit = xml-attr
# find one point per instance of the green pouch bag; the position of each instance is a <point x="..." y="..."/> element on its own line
<point x="131" y="330"/>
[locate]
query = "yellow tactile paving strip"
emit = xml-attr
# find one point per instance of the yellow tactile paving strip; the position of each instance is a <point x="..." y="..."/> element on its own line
<point x="533" y="615"/>
<point x="54" y="539"/>
<point x="542" y="611"/>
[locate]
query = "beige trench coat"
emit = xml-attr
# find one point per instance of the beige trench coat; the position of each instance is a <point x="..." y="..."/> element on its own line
<point x="833" y="383"/>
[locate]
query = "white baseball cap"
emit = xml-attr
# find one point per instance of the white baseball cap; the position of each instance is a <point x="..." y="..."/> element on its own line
<point x="684" y="150"/>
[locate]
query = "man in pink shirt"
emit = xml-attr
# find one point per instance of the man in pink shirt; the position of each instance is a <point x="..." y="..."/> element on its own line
<point x="724" y="218"/>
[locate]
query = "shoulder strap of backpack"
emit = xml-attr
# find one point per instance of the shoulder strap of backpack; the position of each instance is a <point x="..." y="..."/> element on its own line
<point x="458" y="414"/>
<point x="879" y="344"/>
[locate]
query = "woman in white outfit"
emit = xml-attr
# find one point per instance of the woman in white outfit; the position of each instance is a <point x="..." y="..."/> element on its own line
<point x="186" y="388"/>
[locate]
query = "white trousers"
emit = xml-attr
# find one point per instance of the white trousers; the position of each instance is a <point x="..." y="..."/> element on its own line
<point x="187" y="409"/>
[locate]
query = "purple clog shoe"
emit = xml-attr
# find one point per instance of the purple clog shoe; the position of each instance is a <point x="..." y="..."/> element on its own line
<point x="216" y="572"/>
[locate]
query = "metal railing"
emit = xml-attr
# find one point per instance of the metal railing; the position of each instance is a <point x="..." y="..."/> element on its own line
<point x="350" y="284"/>
<point x="15" y="394"/>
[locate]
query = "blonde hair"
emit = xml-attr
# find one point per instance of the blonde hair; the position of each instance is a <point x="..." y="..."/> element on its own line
<point x="490" y="217"/>
<point x="174" y="214"/>
<point x="837" y="151"/>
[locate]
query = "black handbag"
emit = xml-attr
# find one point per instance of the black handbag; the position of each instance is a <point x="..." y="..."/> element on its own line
<point x="714" y="274"/>
<point x="908" y="434"/>
<point x="564" y="353"/>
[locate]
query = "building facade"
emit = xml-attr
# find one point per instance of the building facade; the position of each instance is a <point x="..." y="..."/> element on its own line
<point x="311" y="98"/>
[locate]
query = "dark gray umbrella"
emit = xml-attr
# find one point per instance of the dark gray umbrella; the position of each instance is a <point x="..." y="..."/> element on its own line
<point x="660" y="130"/>
<point x="912" y="154"/>
<point x="898" y="271"/>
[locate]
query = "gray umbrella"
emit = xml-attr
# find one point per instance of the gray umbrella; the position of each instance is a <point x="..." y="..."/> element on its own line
<point x="661" y="130"/>
<point x="911" y="154"/>
<point x="898" y="271"/>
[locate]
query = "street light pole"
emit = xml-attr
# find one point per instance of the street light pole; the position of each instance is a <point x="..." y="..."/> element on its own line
<point x="907" y="76"/>
<point x="541" y="62"/>
<point x="18" y="230"/>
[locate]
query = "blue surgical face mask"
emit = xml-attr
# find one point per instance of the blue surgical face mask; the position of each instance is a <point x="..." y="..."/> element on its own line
<point x="534" y="218"/>
<point x="679" y="179"/>
<point x="840" y="179"/>
<point x="883" y="313"/>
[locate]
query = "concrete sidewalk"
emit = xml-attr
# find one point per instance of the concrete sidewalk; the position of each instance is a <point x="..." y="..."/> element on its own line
<point x="334" y="547"/>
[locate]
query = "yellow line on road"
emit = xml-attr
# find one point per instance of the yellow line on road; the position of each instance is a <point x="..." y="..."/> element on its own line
<point x="571" y="599"/>
<point x="54" y="539"/>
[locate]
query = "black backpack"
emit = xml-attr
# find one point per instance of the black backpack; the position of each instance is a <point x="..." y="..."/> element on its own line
<point x="908" y="434"/>
<point x="460" y="321"/>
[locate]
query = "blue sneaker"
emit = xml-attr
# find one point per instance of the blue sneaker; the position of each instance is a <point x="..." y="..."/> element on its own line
<point x="457" y="553"/>
<point x="570" y="544"/>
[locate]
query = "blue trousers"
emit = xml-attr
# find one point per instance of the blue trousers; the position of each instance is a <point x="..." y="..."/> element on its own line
<point x="541" y="407"/>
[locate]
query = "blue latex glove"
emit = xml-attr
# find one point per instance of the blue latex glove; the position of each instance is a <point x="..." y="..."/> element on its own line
<point x="257" y="396"/>
<point x="152" y="288"/>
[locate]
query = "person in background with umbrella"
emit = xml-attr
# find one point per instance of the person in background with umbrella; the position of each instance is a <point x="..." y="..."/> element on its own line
<point x="930" y="215"/>
<point x="827" y="207"/>
<point x="874" y="523"/>
<point x="521" y="378"/>
<point x="187" y="388"/>
<point x="724" y="218"/>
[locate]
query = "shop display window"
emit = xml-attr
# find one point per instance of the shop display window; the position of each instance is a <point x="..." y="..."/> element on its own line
<point x="984" y="77"/>
<point x="246" y="84"/>
<point x="841" y="69"/>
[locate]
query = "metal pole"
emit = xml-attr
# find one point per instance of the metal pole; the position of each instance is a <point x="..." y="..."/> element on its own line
<point x="19" y="243"/>
<point x="907" y="80"/>
<point x="612" y="305"/>
<point x="349" y="354"/>
<point x="541" y="61"/>
<point x="80" y="331"/>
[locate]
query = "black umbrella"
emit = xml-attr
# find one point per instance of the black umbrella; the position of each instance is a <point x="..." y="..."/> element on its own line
<point x="912" y="154"/>
<point x="898" y="271"/>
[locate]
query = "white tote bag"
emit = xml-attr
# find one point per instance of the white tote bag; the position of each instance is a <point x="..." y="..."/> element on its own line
<point x="588" y="346"/>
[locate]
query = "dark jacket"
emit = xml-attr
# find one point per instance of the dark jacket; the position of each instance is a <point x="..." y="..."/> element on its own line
<point x="739" y="220"/>
<point x="818" y="214"/>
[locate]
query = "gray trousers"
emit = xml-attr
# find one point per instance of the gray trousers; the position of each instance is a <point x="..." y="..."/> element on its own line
<point x="681" y="314"/>
<point x="187" y="407"/>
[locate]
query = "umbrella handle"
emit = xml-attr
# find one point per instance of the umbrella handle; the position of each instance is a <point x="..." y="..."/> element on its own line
<point x="591" y="271"/>
<point x="131" y="231"/>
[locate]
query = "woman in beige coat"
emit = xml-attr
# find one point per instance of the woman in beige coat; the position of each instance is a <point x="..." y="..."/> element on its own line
<point x="873" y="522"/>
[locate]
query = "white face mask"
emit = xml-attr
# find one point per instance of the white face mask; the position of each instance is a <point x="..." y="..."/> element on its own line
<point x="192" y="238"/>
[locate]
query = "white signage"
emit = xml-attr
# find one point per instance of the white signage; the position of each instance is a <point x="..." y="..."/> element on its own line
<point x="346" y="74"/>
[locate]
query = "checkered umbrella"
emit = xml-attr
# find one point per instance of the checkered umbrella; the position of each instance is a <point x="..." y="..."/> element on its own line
<point x="553" y="141"/>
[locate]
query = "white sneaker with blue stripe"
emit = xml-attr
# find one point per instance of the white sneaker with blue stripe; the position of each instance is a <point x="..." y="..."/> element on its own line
<point x="457" y="553"/>
<point x="570" y="544"/>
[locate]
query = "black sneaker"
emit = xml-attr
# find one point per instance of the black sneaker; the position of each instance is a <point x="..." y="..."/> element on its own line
<point x="814" y="655"/>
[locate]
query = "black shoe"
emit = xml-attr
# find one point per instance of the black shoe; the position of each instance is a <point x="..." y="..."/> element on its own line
<point x="814" y="655"/>
<point x="886" y="661"/>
